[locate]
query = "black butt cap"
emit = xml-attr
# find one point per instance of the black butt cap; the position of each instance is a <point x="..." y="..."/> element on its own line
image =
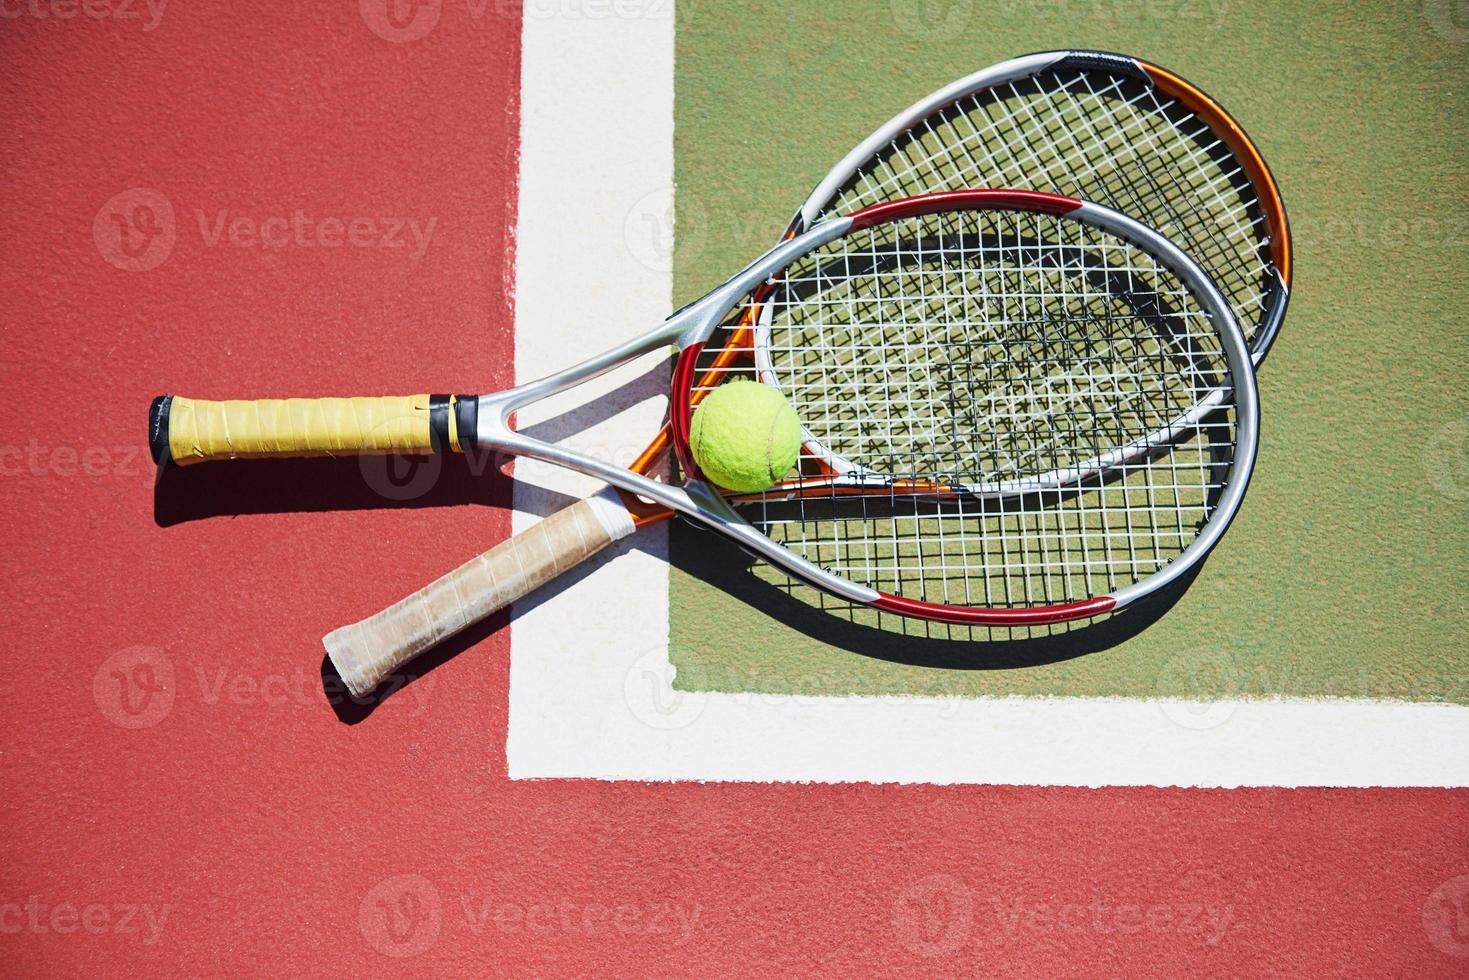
<point x="158" y="428"/>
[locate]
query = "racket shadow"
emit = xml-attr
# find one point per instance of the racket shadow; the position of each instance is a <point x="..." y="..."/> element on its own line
<point x="351" y="710"/>
<point x="724" y="566"/>
<point x="711" y="559"/>
<point x="282" y="486"/>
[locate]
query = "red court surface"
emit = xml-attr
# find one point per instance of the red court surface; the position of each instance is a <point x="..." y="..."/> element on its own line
<point x="180" y="796"/>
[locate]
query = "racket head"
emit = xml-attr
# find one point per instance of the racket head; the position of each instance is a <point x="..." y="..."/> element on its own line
<point x="1101" y="127"/>
<point x="1018" y="409"/>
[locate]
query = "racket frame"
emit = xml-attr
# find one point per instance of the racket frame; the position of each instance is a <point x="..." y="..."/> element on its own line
<point x="1168" y="84"/>
<point x="687" y="329"/>
<point x="690" y="327"/>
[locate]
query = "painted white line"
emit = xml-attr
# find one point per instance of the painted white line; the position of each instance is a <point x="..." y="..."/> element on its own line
<point x="1022" y="741"/>
<point x="593" y="249"/>
<point x="590" y="681"/>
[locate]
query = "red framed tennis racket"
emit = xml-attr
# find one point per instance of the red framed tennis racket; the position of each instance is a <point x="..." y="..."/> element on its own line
<point x="1017" y="408"/>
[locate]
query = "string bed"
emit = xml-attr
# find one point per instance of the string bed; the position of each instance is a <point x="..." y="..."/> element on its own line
<point x="1001" y="409"/>
<point x="1097" y="136"/>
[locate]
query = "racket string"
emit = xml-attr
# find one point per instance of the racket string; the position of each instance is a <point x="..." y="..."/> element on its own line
<point x="1101" y="137"/>
<point x="971" y="376"/>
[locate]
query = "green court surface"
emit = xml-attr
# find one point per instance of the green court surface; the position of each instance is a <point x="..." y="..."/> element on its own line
<point x="1347" y="571"/>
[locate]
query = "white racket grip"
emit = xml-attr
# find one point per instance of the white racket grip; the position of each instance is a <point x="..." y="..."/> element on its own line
<point x="366" y="652"/>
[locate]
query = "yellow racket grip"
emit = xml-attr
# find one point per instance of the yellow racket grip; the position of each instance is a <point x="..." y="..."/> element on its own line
<point x="187" y="430"/>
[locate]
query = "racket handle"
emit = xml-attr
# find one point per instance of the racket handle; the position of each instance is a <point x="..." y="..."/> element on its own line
<point x="187" y="430"/>
<point x="366" y="652"/>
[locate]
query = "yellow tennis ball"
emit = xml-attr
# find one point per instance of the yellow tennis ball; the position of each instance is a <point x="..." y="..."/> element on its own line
<point x="745" y="436"/>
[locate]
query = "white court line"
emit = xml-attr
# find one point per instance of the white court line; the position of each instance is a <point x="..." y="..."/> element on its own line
<point x="590" y="692"/>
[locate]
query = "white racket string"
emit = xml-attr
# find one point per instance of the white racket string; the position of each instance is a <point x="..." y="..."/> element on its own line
<point x="1097" y="136"/>
<point x="979" y="373"/>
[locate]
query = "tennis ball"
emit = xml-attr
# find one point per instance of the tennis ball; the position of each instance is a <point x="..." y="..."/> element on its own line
<point x="745" y="436"/>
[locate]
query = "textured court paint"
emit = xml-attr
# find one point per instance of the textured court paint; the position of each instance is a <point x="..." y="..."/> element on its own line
<point x="582" y="706"/>
<point x="258" y="819"/>
<point x="1347" y="572"/>
<point x="268" y="838"/>
<point x="620" y="719"/>
<point x="596" y="164"/>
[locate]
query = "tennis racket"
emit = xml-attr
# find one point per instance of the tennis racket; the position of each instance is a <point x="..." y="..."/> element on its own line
<point x="1017" y="409"/>
<point x="1092" y="125"/>
<point x="1095" y="126"/>
<point x="1100" y="127"/>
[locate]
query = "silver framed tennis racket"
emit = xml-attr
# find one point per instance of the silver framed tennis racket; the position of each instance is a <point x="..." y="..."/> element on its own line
<point x="1017" y="409"/>
<point x="1101" y="127"/>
